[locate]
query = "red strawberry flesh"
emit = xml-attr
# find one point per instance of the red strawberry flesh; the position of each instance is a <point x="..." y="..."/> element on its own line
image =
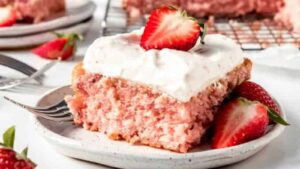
<point x="170" y="28"/>
<point x="61" y="48"/>
<point x="53" y="50"/>
<point x="238" y="122"/>
<point x="8" y="16"/>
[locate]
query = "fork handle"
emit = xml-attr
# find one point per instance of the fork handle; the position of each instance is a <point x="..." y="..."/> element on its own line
<point x="22" y="67"/>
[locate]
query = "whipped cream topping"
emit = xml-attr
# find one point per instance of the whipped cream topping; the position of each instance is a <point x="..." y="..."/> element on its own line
<point x="179" y="74"/>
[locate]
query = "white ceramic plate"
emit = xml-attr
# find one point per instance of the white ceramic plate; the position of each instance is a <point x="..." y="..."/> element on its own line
<point x="78" y="143"/>
<point x="40" y="38"/>
<point x="77" y="11"/>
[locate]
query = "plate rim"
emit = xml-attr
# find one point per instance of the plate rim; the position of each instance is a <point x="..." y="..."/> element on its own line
<point x="55" y="23"/>
<point x="77" y="144"/>
<point x="28" y="41"/>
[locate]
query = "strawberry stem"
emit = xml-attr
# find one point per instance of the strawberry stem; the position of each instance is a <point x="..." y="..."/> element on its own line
<point x="276" y="117"/>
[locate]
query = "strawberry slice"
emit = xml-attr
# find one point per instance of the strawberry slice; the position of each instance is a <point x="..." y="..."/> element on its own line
<point x="8" y="16"/>
<point x="61" y="48"/>
<point x="239" y="121"/>
<point x="254" y="92"/>
<point x="171" y="28"/>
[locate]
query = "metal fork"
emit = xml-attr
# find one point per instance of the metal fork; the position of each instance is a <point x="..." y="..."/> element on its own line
<point x="58" y="112"/>
<point x="18" y="66"/>
<point x="10" y="83"/>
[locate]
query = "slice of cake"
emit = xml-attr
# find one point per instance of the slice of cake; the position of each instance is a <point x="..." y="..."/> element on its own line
<point x="165" y="99"/>
<point x="131" y="88"/>
<point x="35" y="10"/>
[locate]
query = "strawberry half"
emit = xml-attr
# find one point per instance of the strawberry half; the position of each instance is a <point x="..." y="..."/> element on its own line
<point x="61" y="48"/>
<point x="254" y="92"/>
<point x="239" y="121"/>
<point x="170" y="28"/>
<point x="8" y="16"/>
<point x="9" y="158"/>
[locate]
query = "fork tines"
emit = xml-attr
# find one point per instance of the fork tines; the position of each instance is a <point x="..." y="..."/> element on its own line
<point x="12" y="83"/>
<point x="58" y="112"/>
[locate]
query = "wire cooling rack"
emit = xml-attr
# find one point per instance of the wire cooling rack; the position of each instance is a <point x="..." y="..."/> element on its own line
<point x="250" y="33"/>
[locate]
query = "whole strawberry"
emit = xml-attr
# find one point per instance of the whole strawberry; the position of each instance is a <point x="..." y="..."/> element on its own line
<point x="63" y="48"/>
<point x="9" y="159"/>
<point x="254" y="92"/>
<point x="171" y="28"/>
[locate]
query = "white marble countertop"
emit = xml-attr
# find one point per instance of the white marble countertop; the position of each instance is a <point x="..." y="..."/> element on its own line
<point x="284" y="152"/>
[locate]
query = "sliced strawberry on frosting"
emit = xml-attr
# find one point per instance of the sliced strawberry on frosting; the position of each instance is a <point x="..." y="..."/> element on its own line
<point x="8" y="16"/>
<point x="170" y="28"/>
<point x="62" y="48"/>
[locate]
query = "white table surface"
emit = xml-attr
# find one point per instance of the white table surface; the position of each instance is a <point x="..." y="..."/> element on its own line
<point x="282" y="153"/>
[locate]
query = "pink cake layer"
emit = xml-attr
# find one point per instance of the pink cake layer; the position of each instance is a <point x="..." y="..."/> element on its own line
<point x="125" y="110"/>
<point x="35" y="10"/>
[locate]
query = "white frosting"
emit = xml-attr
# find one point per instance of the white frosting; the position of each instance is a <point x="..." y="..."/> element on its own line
<point x="179" y="74"/>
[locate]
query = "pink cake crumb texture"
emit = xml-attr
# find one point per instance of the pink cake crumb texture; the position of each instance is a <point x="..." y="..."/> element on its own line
<point x="125" y="110"/>
<point x="35" y="10"/>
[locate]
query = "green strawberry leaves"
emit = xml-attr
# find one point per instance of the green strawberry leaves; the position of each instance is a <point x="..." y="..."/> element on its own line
<point x="23" y="155"/>
<point x="274" y="116"/>
<point x="203" y="32"/>
<point x="72" y="38"/>
<point x="24" y="152"/>
<point x="9" y="137"/>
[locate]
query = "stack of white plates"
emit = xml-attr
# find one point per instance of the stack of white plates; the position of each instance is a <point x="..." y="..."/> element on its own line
<point x="76" y="19"/>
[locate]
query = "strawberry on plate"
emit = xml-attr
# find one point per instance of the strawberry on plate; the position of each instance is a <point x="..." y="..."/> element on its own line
<point x="254" y="92"/>
<point x="62" y="48"/>
<point x="9" y="159"/>
<point x="171" y="28"/>
<point x="241" y="120"/>
<point x="8" y="16"/>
